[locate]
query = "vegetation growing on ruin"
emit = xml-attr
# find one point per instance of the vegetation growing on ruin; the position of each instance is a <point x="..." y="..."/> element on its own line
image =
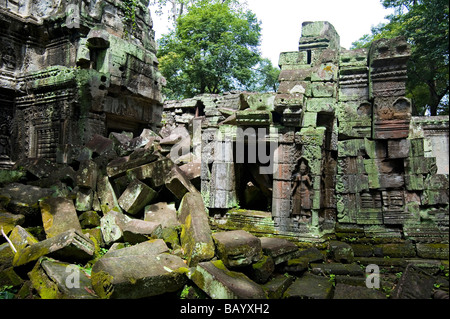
<point x="214" y="48"/>
<point x="425" y="24"/>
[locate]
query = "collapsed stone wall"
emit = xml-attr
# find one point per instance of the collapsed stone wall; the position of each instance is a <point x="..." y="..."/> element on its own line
<point x="73" y="69"/>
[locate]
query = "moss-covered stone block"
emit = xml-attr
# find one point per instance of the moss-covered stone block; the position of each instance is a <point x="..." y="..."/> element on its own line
<point x="220" y="283"/>
<point x="237" y="248"/>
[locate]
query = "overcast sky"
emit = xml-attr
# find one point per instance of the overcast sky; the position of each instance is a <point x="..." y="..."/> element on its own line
<point x="282" y="20"/>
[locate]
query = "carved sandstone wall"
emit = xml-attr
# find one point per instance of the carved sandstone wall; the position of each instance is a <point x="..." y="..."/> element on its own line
<point x="72" y="69"/>
<point x="369" y="168"/>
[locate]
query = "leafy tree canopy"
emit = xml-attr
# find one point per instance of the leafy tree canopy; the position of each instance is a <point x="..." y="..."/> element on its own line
<point x="213" y="48"/>
<point x="425" y="23"/>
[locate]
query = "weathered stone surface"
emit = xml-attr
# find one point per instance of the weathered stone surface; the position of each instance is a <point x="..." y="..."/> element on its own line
<point x="68" y="246"/>
<point x="312" y="255"/>
<point x="100" y="144"/>
<point x="9" y="221"/>
<point x="279" y="249"/>
<point x="142" y="276"/>
<point x="57" y="280"/>
<point x="196" y="237"/>
<point x="178" y="183"/>
<point x="58" y="216"/>
<point x="341" y="252"/>
<point x="343" y="291"/>
<point x="136" y="197"/>
<point x="156" y="172"/>
<point x="262" y="270"/>
<point x="112" y="224"/>
<point x="21" y="238"/>
<point x="220" y="283"/>
<point x="276" y="287"/>
<point x="120" y="165"/>
<point x="107" y="195"/>
<point x="162" y="213"/>
<point x="296" y="265"/>
<point x="137" y="231"/>
<point x="89" y="219"/>
<point x="24" y="199"/>
<point x="310" y="287"/>
<point x="87" y="175"/>
<point x="237" y="248"/>
<point x="150" y="247"/>
<point x="414" y="284"/>
<point x="337" y="269"/>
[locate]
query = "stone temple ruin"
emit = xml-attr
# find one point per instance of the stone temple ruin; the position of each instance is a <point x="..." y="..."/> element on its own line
<point x="348" y="155"/>
<point x="241" y="187"/>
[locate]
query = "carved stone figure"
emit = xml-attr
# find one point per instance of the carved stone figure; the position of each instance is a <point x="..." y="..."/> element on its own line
<point x="301" y="191"/>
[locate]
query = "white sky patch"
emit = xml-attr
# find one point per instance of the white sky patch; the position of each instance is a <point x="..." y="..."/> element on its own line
<point x="282" y="21"/>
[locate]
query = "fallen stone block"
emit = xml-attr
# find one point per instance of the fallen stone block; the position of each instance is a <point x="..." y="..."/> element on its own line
<point x="312" y="255"/>
<point x="151" y="247"/>
<point x="39" y="167"/>
<point x="296" y="266"/>
<point x="11" y="176"/>
<point x="279" y="249"/>
<point x="21" y="238"/>
<point x="310" y="287"/>
<point x="120" y="165"/>
<point x="71" y="245"/>
<point x="262" y="270"/>
<point x="156" y="172"/>
<point x="9" y="221"/>
<point x="136" y="197"/>
<point x="162" y="213"/>
<point x="237" y="248"/>
<point x="178" y="183"/>
<point x="415" y="283"/>
<point x="24" y="199"/>
<point x="344" y="291"/>
<point x="87" y="175"/>
<point x="142" y="276"/>
<point x="57" y="280"/>
<point x="100" y="144"/>
<point x="337" y="269"/>
<point x="59" y="215"/>
<point x="166" y="215"/>
<point x="107" y="195"/>
<point x="220" y="283"/>
<point x="196" y="239"/>
<point x="89" y="219"/>
<point x="137" y="231"/>
<point x="84" y="200"/>
<point x="111" y="225"/>
<point x="276" y="287"/>
<point x="8" y="277"/>
<point x="340" y="252"/>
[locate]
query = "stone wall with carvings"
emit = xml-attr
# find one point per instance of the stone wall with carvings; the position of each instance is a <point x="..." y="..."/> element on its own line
<point x="349" y="157"/>
<point x="73" y="69"/>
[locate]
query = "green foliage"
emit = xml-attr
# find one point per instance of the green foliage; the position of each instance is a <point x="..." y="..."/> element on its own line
<point x="212" y="49"/>
<point x="425" y="23"/>
<point x="130" y="14"/>
<point x="264" y="78"/>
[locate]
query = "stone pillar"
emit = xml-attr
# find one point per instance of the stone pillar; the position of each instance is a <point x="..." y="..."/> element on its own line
<point x="388" y="74"/>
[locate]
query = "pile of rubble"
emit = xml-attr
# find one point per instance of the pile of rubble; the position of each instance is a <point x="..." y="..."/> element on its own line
<point x="117" y="218"/>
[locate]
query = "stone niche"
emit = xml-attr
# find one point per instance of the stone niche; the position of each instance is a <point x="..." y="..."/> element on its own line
<point x="73" y="69"/>
<point x="346" y="152"/>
